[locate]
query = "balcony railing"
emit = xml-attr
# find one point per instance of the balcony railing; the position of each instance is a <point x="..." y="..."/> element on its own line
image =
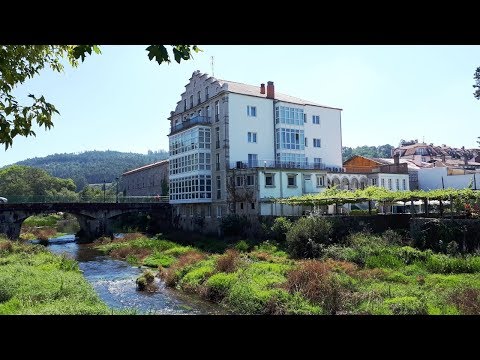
<point x="246" y="164"/>
<point x="192" y="121"/>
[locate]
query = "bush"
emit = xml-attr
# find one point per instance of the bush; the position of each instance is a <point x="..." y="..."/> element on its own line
<point x="384" y="260"/>
<point x="392" y="237"/>
<point x="234" y="224"/>
<point x="228" y="262"/>
<point x="308" y="236"/>
<point x="242" y="246"/>
<point x="280" y="227"/>
<point x="443" y="264"/>
<point x="146" y="281"/>
<point x="173" y="274"/>
<point x="407" y="305"/>
<point x="467" y="301"/>
<point x="314" y="280"/>
<point x="219" y="284"/>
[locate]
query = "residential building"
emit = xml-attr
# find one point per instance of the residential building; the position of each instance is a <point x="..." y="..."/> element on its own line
<point x="148" y="180"/>
<point x="238" y="146"/>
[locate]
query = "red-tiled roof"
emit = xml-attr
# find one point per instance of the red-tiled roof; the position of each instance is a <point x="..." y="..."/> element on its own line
<point x="145" y="167"/>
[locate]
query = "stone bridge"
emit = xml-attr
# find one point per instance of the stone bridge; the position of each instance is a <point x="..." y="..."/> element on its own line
<point x="94" y="218"/>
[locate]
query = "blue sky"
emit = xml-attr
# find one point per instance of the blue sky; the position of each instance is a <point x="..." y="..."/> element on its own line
<point x="120" y="100"/>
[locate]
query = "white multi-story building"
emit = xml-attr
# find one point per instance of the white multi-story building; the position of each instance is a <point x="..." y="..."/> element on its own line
<point x="234" y="147"/>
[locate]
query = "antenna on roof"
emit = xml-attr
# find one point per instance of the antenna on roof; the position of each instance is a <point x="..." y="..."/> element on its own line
<point x="213" y="74"/>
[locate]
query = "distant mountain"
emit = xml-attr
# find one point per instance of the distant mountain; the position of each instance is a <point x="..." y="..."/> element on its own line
<point x="93" y="167"/>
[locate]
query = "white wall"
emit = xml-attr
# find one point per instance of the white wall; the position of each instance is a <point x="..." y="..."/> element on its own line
<point x="432" y="179"/>
<point x="281" y="189"/>
<point x="240" y="124"/>
<point x="330" y="133"/>
<point x="394" y="177"/>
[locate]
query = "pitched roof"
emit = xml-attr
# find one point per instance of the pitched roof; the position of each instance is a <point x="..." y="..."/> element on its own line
<point x="145" y="167"/>
<point x="252" y="90"/>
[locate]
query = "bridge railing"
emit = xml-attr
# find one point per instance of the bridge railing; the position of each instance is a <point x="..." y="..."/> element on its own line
<point x="21" y="199"/>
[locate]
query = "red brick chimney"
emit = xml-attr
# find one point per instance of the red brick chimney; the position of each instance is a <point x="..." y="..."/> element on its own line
<point x="270" y="90"/>
<point x="262" y="88"/>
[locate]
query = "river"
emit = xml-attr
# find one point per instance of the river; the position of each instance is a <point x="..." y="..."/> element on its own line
<point x="114" y="282"/>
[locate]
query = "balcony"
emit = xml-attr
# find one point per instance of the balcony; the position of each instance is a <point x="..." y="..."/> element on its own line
<point x="196" y="120"/>
<point x="245" y="164"/>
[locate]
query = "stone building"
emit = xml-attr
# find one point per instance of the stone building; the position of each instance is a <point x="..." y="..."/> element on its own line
<point x="148" y="180"/>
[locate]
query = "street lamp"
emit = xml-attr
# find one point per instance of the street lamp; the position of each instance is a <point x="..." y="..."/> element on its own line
<point x="104" y="187"/>
<point x="117" y="190"/>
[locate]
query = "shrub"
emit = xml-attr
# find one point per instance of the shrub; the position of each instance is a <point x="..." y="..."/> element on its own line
<point x="384" y="260"/>
<point x="228" y="262"/>
<point x="219" y="284"/>
<point x="315" y="281"/>
<point x="6" y="247"/>
<point x="392" y="237"/>
<point x="280" y="227"/>
<point x="172" y="275"/>
<point x="467" y="301"/>
<point x="407" y="305"/>
<point x="439" y="263"/>
<point x="158" y="259"/>
<point x="242" y="246"/>
<point x="234" y="224"/>
<point x="452" y="248"/>
<point x="146" y="281"/>
<point x="308" y="236"/>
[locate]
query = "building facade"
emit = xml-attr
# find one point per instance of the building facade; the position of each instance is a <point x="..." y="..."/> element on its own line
<point x="234" y="147"/>
<point x="148" y="180"/>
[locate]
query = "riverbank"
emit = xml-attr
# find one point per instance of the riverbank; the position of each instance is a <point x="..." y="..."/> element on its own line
<point x="35" y="281"/>
<point x="367" y="274"/>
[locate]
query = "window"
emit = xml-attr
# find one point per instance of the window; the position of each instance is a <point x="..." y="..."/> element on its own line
<point x="199" y="112"/>
<point x="304" y="118"/>
<point x="199" y="99"/>
<point x="241" y="206"/>
<point x="252" y="137"/>
<point x="191" y="101"/>
<point x="316" y="119"/>
<point x="207" y="112"/>
<point x="316" y="143"/>
<point x="269" y="180"/>
<point x="217" y="136"/>
<point x="206" y="93"/>
<point x="290" y="139"/>
<point x="219" y="190"/>
<point x="374" y="182"/>
<point x="306" y="142"/>
<point x="397" y="184"/>
<point x="239" y="181"/>
<point x="209" y="210"/>
<point x="292" y="180"/>
<point x="404" y="183"/>
<point x="317" y="163"/>
<point x="253" y="206"/>
<point x="217" y="111"/>
<point x="252" y="160"/>
<point x="287" y="115"/>
<point x="217" y="166"/>
<point x="184" y="104"/>
<point x="252" y="111"/>
<point x="320" y="181"/>
<point x="219" y="211"/>
<point x="389" y="184"/>
<point x="250" y="180"/>
<point x="383" y="183"/>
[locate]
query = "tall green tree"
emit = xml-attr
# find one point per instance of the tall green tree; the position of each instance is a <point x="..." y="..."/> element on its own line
<point x="21" y="62"/>
<point x="476" y="77"/>
<point x="24" y="181"/>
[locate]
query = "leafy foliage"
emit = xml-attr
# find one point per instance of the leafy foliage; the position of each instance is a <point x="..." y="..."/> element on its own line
<point x="382" y="151"/>
<point x="25" y="181"/>
<point x="21" y="62"/>
<point x="476" y="77"/>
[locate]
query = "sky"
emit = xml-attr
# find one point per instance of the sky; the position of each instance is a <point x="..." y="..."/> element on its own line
<point x="120" y="100"/>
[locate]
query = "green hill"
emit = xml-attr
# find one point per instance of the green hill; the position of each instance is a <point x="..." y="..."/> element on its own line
<point x="93" y="167"/>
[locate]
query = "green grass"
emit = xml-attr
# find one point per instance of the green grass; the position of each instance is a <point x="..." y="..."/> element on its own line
<point x="369" y="275"/>
<point x="42" y="220"/>
<point x="35" y="281"/>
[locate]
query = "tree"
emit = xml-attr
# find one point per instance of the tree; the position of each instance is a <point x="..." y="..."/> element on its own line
<point x="476" y="77"/>
<point x="21" y="62"/>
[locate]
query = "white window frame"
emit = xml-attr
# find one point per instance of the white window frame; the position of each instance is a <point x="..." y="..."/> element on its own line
<point x="290" y="176"/>
<point x="252" y="137"/>
<point x="320" y="181"/>
<point x="251" y="111"/>
<point x="316" y="119"/>
<point x="272" y="175"/>
<point x="317" y="141"/>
